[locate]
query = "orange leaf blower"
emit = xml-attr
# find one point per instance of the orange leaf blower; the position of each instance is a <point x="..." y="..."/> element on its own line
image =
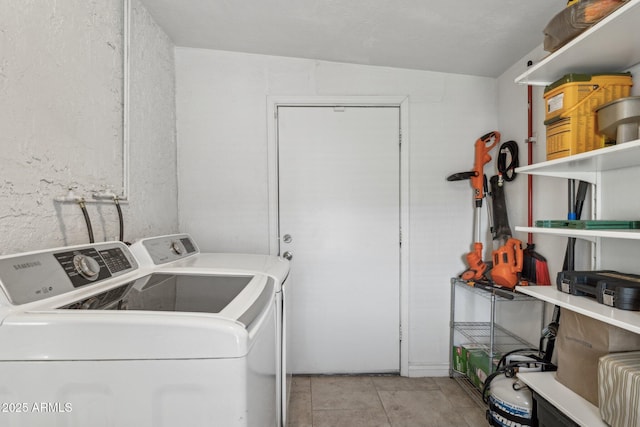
<point x="507" y="263"/>
<point x="483" y="146"/>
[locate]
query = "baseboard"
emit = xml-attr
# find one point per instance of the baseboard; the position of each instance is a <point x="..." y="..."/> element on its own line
<point x="438" y="370"/>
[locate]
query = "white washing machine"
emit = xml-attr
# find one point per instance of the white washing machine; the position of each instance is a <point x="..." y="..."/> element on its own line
<point x="90" y="338"/>
<point x="179" y="253"/>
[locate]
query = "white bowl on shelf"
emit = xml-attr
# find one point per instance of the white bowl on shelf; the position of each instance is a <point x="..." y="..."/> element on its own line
<point x="620" y="119"/>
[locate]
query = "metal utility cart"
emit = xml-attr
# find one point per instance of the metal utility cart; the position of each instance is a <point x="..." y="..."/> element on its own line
<point x="488" y="336"/>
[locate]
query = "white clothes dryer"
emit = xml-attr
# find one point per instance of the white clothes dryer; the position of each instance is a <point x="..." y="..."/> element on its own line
<point x="89" y="337"/>
<point x="179" y="253"/>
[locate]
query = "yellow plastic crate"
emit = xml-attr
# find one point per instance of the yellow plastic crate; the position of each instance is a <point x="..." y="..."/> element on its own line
<point x="570" y="111"/>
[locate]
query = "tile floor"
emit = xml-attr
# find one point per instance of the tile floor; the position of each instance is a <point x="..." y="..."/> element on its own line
<point x="381" y="401"/>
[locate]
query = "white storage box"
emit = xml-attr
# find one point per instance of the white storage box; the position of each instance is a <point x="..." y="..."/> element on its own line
<point x="619" y="388"/>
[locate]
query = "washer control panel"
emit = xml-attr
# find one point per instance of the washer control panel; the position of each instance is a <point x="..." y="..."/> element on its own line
<point x="38" y="275"/>
<point x="84" y="266"/>
<point x="165" y="249"/>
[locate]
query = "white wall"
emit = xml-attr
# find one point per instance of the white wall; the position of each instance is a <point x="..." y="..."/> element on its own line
<point x="61" y="118"/>
<point x="222" y="163"/>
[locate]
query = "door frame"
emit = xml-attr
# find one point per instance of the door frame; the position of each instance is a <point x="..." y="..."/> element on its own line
<point x="402" y="102"/>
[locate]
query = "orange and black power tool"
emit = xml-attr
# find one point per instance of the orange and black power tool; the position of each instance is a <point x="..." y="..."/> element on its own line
<point x="483" y="146"/>
<point x="507" y="263"/>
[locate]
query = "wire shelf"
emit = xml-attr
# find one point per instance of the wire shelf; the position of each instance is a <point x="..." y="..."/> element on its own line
<point x="487" y="293"/>
<point x="488" y="337"/>
<point x="480" y="333"/>
<point x="471" y="390"/>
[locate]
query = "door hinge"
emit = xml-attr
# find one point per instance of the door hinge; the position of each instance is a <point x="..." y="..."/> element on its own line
<point x="400" y="329"/>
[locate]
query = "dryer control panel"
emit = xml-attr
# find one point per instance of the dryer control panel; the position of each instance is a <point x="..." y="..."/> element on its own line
<point x="169" y="248"/>
<point x="38" y="275"/>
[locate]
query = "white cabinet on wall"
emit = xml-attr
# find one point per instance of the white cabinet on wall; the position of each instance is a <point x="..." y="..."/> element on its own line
<point x="609" y="46"/>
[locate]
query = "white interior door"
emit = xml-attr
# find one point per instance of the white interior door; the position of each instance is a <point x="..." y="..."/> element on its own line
<point x="339" y="201"/>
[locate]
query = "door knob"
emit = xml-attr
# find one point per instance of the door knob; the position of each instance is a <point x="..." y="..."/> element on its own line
<point x="287" y="255"/>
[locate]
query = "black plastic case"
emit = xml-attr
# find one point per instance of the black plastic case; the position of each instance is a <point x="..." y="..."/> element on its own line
<point x="619" y="294"/>
<point x="581" y="282"/>
<point x="608" y="287"/>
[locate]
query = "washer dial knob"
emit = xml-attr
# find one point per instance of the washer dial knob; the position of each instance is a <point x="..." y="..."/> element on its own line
<point x="176" y="248"/>
<point x="86" y="266"/>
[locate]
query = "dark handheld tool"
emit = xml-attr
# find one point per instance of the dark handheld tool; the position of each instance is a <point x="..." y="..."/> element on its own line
<point x="483" y="146"/>
<point x="501" y="229"/>
<point x="549" y="334"/>
<point x="496" y="290"/>
<point x="576" y="203"/>
<point x="508" y="258"/>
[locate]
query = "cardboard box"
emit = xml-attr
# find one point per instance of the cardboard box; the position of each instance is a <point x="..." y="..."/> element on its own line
<point x="461" y="354"/>
<point x="478" y="366"/>
<point x="580" y="343"/>
<point x="473" y="361"/>
<point x="459" y="359"/>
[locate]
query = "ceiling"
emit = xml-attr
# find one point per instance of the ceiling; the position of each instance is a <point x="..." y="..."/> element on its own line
<point x="477" y="37"/>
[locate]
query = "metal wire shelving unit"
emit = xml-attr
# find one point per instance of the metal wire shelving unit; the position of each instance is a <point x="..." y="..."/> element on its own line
<point x="488" y="336"/>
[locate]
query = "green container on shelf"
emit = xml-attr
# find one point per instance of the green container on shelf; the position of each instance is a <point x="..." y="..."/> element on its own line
<point x="459" y="359"/>
<point x="596" y="224"/>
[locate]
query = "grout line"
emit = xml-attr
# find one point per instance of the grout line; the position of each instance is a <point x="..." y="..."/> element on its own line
<point x="382" y="404"/>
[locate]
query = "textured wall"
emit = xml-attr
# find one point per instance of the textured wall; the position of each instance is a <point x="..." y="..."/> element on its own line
<point x="153" y="189"/>
<point x="61" y="119"/>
